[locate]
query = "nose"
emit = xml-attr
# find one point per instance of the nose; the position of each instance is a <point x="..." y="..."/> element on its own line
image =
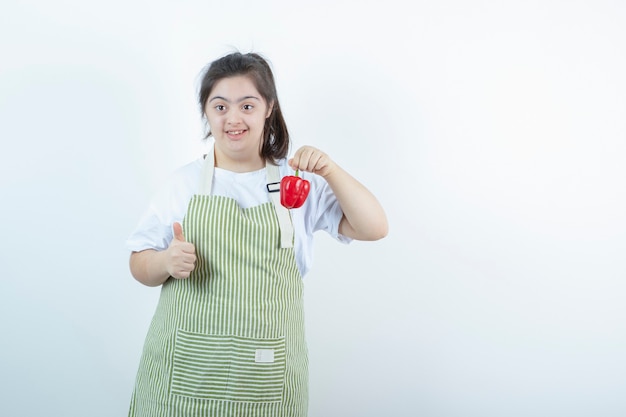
<point x="233" y="118"/>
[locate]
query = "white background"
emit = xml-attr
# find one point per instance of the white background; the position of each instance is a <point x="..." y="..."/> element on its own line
<point x="493" y="132"/>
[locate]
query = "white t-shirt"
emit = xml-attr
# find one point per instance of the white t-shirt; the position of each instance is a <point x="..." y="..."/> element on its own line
<point x="320" y="211"/>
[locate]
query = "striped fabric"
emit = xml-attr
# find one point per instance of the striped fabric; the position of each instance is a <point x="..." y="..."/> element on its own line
<point x="228" y="367"/>
<point x="229" y="340"/>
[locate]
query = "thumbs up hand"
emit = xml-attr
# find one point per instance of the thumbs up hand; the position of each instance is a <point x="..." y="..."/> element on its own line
<point x="181" y="255"/>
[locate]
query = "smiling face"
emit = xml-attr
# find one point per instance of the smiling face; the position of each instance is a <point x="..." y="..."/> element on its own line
<point x="236" y="114"/>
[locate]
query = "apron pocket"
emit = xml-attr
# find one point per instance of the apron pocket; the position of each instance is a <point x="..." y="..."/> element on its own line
<point x="228" y="368"/>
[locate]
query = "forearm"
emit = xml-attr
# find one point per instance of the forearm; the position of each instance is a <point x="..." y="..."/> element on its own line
<point x="149" y="267"/>
<point x="364" y="217"/>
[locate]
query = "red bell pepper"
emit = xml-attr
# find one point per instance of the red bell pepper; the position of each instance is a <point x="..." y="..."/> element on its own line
<point x="293" y="191"/>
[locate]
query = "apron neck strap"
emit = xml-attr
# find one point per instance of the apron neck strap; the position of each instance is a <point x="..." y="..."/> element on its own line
<point x="273" y="188"/>
<point x="206" y="180"/>
<point x="283" y="214"/>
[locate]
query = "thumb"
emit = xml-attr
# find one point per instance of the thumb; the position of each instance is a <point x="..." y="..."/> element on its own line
<point x="178" y="232"/>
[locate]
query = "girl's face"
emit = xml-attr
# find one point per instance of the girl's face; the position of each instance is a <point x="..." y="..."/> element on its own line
<point x="236" y="113"/>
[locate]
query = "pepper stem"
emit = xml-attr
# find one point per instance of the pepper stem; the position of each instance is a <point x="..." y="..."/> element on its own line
<point x="297" y="170"/>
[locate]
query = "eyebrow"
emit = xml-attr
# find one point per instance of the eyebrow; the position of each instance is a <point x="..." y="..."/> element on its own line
<point x="238" y="101"/>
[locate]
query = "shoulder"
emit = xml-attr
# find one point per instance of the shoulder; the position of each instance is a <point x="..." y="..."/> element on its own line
<point x="187" y="175"/>
<point x="188" y="170"/>
<point x="180" y="184"/>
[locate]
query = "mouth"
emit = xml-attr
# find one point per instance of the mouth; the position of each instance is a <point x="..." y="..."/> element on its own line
<point x="235" y="134"/>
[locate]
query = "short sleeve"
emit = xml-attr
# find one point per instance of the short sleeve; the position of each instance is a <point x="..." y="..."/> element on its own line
<point x="327" y="213"/>
<point x="152" y="231"/>
<point x="168" y="205"/>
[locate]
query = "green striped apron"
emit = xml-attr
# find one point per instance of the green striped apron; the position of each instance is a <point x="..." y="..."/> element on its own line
<point x="229" y="340"/>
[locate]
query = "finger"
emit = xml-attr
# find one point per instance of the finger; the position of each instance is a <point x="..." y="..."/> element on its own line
<point x="182" y="274"/>
<point x="301" y="159"/>
<point x="184" y="268"/>
<point x="296" y="161"/>
<point x="178" y="232"/>
<point x="317" y="162"/>
<point x="186" y="247"/>
<point x="189" y="259"/>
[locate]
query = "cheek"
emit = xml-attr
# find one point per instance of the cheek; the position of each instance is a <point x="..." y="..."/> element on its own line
<point x="213" y="120"/>
<point x="261" y="121"/>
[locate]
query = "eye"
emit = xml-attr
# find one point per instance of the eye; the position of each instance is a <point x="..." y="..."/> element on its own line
<point x="247" y="107"/>
<point x="220" y="107"/>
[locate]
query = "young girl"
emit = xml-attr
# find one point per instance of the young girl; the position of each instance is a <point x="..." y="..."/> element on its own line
<point x="227" y="337"/>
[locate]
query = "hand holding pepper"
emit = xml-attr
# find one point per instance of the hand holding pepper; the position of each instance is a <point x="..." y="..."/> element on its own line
<point x="363" y="217"/>
<point x="310" y="159"/>
<point x="293" y="191"/>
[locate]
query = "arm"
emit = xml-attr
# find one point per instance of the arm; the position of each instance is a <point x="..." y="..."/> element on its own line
<point x="153" y="268"/>
<point x="363" y="216"/>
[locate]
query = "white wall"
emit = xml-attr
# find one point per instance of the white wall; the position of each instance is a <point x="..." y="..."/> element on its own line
<point x="493" y="132"/>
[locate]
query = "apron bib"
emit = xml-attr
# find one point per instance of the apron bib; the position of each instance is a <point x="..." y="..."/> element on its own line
<point x="229" y="340"/>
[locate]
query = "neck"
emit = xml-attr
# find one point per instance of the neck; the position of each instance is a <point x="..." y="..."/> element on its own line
<point x="243" y="164"/>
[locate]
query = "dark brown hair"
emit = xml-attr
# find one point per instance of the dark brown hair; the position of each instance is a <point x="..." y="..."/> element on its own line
<point x="275" y="143"/>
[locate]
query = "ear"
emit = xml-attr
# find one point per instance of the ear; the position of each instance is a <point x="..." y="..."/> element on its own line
<point x="270" y="107"/>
